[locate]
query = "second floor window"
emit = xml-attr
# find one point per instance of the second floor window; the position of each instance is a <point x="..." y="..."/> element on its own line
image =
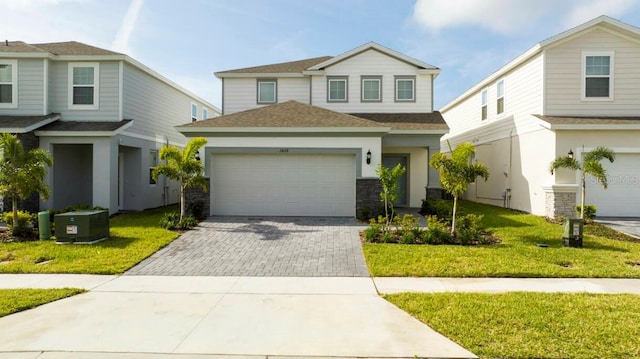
<point x="405" y="89"/>
<point x="371" y="89"/>
<point x="205" y="113"/>
<point x="267" y="91"/>
<point x="83" y="89"/>
<point x="500" y="95"/>
<point x="194" y="112"/>
<point x="8" y="74"/>
<point x="483" y="99"/>
<point x="337" y="89"/>
<point x="598" y="70"/>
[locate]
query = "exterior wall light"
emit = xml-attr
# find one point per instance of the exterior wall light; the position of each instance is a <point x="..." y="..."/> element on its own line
<point x="197" y="156"/>
<point x="570" y="154"/>
<point x="369" y="157"/>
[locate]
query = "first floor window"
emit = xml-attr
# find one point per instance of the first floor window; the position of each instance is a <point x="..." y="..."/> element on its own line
<point x="405" y="89"/>
<point x="83" y="89"/>
<point x="337" y="90"/>
<point x="484" y="105"/>
<point x="500" y="94"/>
<point x="598" y="75"/>
<point x="194" y="112"/>
<point x="8" y="72"/>
<point x="371" y="89"/>
<point x="153" y="162"/>
<point x="266" y="91"/>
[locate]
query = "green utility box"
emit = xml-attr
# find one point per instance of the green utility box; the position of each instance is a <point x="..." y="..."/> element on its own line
<point x="85" y="227"/>
<point x="572" y="232"/>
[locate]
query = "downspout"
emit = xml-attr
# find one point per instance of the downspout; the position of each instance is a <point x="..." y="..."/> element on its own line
<point x="165" y="186"/>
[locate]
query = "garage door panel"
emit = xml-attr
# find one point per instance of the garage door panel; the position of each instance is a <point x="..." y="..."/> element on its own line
<point x="283" y="185"/>
<point x="622" y="196"/>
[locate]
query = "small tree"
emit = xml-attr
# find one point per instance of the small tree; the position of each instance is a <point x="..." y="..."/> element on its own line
<point x="22" y="173"/>
<point x="457" y="172"/>
<point x="590" y="165"/>
<point x="389" y="180"/>
<point x="182" y="166"/>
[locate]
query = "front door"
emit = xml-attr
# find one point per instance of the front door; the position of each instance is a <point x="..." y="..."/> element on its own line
<point x="391" y="161"/>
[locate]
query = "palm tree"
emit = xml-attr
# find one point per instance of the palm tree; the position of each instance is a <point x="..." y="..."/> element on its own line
<point x="182" y="166"/>
<point x="590" y="165"/>
<point x="22" y="173"/>
<point x="457" y="172"/>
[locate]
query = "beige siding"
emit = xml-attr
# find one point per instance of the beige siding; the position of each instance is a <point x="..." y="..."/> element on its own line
<point x="30" y="89"/>
<point x="108" y="95"/>
<point x="240" y="94"/>
<point x="564" y="76"/>
<point x="374" y="63"/>
<point x="155" y="107"/>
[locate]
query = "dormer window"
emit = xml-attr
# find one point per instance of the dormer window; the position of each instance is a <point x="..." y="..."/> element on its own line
<point x="83" y="85"/>
<point x="405" y="88"/>
<point x="267" y="91"/>
<point x="8" y="81"/>
<point x="337" y="89"/>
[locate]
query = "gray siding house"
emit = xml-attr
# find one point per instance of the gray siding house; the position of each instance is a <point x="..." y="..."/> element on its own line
<point x="103" y="116"/>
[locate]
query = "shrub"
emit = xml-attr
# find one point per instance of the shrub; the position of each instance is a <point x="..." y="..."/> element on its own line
<point x="187" y="222"/>
<point x="387" y="237"/>
<point x="196" y="209"/>
<point x="468" y="228"/>
<point x="589" y="212"/>
<point x="437" y="231"/>
<point x="371" y="233"/>
<point x="440" y="208"/>
<point x="408" y="238"/>
<point x="408" y="223"/>
<point x="170" y="220"/>
<point x="24" y="223"/>
<point x="364" y="214"/>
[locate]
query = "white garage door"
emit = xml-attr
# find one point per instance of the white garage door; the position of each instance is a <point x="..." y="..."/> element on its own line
<point x="283" y="185"/>
<point x="622" y="196"/>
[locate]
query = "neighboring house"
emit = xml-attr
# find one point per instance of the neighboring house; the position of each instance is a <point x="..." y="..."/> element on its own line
<point x="305" y="137"/>
<point x="578" y="88"/>
<point x="103" y="116"/>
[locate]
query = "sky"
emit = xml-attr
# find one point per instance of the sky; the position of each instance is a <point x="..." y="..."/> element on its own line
<point x="188" y="40"/>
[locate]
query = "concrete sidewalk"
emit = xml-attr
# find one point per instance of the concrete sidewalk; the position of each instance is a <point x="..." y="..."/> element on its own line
<point x="182" y="317"/>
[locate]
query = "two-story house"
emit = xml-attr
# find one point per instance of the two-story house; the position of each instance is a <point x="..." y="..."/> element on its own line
<point x="101" y="114"/>
<point x="304" y="138"/>
<point x="568" y="94"/>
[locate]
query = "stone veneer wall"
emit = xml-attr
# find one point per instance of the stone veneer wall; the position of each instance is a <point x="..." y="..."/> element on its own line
<point x="194" y="194"/>
<point x="434" y="193"/>
<point x="368" y="197"/>
<point x="560" y="204"/>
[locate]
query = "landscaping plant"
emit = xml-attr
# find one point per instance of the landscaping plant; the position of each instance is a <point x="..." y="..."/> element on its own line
<point x="182" y="166"/>
<point x="590" y="165"/>
<point x="389" y="180"/>
<point x="22" y="172"/>
<point x="457" y="172"/>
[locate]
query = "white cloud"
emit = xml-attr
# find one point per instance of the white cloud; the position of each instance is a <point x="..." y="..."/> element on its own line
<point x="121" y="42"/>
<point x="501" y="16"/>
<point x="587" y="10"/>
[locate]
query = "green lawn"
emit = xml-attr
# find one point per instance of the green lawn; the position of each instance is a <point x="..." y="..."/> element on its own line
<point x="16" y="300"/>
<point x="516" y="256"/>
<point x="532" y="325"/>
<point x="134" y="237"/>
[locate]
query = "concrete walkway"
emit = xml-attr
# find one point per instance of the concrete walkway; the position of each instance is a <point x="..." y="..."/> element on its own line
<point x="149" y="316"/>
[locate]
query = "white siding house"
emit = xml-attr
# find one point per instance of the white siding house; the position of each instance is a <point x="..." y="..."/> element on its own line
<point x="305" y="137"/>
<point x="102" y="115"/>
<point x="576" y="89"/>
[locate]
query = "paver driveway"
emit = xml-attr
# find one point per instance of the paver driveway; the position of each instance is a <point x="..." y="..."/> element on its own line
<point x="263" y="246"/>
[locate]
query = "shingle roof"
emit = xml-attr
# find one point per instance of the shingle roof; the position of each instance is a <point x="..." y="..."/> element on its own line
<point x="286" y="114"/>
<point x="11" y="123"/>
<point x="73" y="48"/>
<point x="283" y="67"/>
<point x="573" y="120"/>
<point x="407" y="121"/>
<point x="82" y="126"/>
<point x="18" y="46"/>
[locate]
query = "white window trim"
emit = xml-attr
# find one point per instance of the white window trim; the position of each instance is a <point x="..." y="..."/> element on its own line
<point x="405" y="78"/>
<point x="205" y="113"/>
<point x="14" y="84"/>
<point x="344" y="79"/>
<point x="611" y="55"/>
<point x="194" y="118"/>
<point x="275" y="91"/>
<point x="96" y="86"/>
<point x="371" y="78"/>
<point x="484" y="103"/>
<point x="498" y="97"/>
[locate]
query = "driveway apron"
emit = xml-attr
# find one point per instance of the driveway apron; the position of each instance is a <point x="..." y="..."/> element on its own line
<point x="263" y="246"/>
